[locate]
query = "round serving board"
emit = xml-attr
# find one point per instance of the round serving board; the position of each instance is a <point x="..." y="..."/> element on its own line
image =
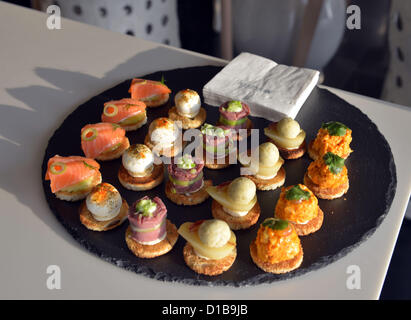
<point x="348" y="221"/>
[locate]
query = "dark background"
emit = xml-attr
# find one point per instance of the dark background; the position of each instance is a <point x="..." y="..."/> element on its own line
<point x="360" y="65"/>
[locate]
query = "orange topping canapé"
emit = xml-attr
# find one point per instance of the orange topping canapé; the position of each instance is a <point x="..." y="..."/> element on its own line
<point x="297" y="204"/>
<point x="333" y="137"/>
<point x="331" y="175"/>
<point x="274" y="244"/>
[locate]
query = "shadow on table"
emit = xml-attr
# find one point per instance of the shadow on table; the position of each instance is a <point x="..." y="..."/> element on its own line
<point x="20" y="125"/>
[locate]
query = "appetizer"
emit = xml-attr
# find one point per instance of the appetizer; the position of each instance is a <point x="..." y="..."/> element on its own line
<point x="188" y="109"/>
<point x="234" y="116"/>
<point x="210" y="248"/>
<point x="236" y="203"/>
<point x="150" y="234"/>
<point x="277" y="248"/>
<point x="152" y="93"/>
<point x="268" y="172"/>
<point x="130" y="114"/>
<point x="288" y="137"/>
<point x="138" y="172"/>
<point x="72" y="178"/>
<point x="103" y="141"/>
<point x="299" y="205"/>
<point x="186" y="185"/>
<point x="327" y="177"/>
<point x="164" y="137"/>
<point x="332" y="137"/>
<point x="103" y="209"/>
<point x="217" y="146"/>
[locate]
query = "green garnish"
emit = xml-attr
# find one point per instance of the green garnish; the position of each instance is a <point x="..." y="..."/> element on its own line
<point x="335" y="128"/>
<point x="233" y="123"/>
<point x="275" y="224"/>
<point x="110" y="110"/>
<point x="186" y="162"/>
<point x="163" y="81"/>
<point x="146" y="207"/>
<point x="210" y="130"/>
<point x="115" y="126"/>
<point x="58" y="168"/>
<point x="89" y="134"/>
<point x="234" y="106"/>
<point x="89" y="165"/>
<point x="335" y="163"/>
<point x="296" y="193"/>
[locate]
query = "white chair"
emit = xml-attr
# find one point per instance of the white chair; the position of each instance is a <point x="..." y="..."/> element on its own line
<point x="154" y="20"/>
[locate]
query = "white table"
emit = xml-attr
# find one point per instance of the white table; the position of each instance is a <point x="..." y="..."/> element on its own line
<point x="44" y="75"/>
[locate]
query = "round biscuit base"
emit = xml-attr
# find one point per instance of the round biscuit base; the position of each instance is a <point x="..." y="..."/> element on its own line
<point x="117" y="153"/>
<point x="269" y="184"/>
<point x="188" y="123"/>
<point x="155" y="250"/>
<point x="236" y="223"/>
<point x="291" y="154"/>
<point x="214" y="165"/>
<point x="141" y="183"/>
<point x="311" y="226"/>
<point x="158" y="102"/>
<point x="208" y="267"/>
<point x="191" y="200"/>
<point x="326" y="193"/>
<point x="277" y="268"/>
<point x="87" y="219"/>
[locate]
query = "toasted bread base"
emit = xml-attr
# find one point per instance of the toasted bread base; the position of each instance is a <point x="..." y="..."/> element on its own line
<point x="326" y="193"/>
<point x="168" y="152"/>
<point x="269" y="184"/>
<point x="115" y="154"/>
<point x="158" y="102"/>
<point x="236" y="223"/>
<point x="277" y="268"/>
<point x="141" y="183"/>
<point x="209" y="267"/>
<point x="290" y="154"/>
<point x="238" y="137"/>
<point x="314" y="155"/>
<point x="188" y="123"/>
<point x="78" y="195"/>
<point x="155" y="250"/>
<point x="311" y="226"/>
<point x="87" y="219"/>
<point x="134" y="126"/>
<point x="213" y="164"/>
<point x="191" y="200"/>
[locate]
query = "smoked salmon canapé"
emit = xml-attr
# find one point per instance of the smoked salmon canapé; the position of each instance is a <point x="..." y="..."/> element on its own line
<point x="103" y="141"/>
<point x="152" y="93"/>
<point x="130" y="114"/>
<point x="277" y="247"/>
<point x="72" y="178"/>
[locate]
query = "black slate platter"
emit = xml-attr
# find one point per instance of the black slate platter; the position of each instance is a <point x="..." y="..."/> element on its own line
<point x="348" y="221"/>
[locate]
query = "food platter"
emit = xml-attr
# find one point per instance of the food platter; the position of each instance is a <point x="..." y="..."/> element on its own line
<point x="348" y="221"/>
